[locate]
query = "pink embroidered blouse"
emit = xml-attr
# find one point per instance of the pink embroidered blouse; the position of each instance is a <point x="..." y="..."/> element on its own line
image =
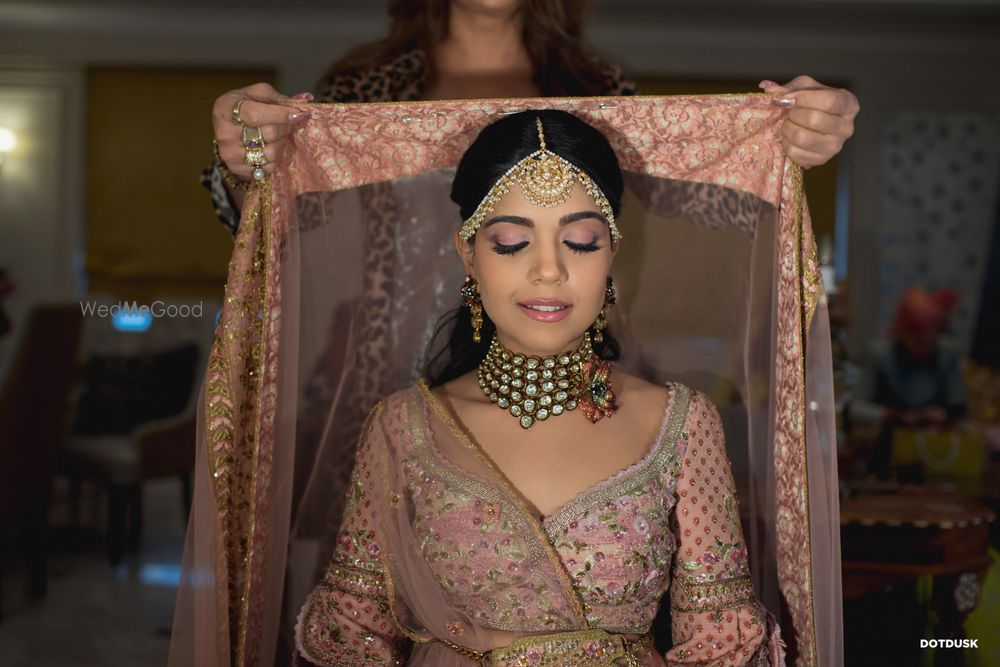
<point x="436" y="553"/>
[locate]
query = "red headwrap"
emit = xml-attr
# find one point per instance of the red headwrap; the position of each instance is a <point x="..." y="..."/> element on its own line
<point x="920" y="311"/>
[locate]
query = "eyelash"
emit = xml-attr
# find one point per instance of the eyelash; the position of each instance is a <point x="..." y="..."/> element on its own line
<point x="501" y="249"/>
<point x="580" y="248"/>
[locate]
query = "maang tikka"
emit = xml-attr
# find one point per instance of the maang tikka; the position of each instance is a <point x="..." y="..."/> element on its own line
<point x="602" y="317"/>
<point x="546" y="179"/>
<point x="470" y="293"/>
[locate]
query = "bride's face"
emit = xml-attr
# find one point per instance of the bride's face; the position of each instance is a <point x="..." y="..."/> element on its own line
<point x="542" y="272"/>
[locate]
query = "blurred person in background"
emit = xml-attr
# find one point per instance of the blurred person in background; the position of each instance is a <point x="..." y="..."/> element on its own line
<point x="469" y="49"/>
<point x="912" y="378"/>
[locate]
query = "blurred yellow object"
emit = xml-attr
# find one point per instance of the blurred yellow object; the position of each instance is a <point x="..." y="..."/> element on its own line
<point x="947" y="453"/>
<point x="983" y="386"/>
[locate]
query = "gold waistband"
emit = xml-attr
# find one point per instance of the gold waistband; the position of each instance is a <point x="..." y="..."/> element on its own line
<point x="581" y="648"/>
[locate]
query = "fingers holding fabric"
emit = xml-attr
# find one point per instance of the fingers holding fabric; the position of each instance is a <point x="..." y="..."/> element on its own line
<point x="252" y="126"/>
<point x="804" y="158"/>
<point x="262" y="114"/>
<point x="820" y="120"/>
<point x="836" y="101"/>
<point x="809" y="147"/>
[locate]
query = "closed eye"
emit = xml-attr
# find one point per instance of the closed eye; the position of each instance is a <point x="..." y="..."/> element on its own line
<point x="582" y="247"/>
<point x="501" y="249"/>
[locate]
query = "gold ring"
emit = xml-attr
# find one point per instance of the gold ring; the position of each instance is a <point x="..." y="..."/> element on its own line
<point x="255" y="157"/>
<point x="252" y="137"/>
<point x="236" y="112"/>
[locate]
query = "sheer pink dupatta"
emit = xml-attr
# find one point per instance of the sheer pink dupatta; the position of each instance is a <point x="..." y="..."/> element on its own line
<point x="718" y="287"/>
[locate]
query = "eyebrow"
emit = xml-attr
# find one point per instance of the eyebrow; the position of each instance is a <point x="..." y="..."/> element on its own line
<point x="527" y="222"/>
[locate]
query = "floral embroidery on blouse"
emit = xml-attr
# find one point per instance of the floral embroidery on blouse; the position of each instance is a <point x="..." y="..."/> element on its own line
<point x="668" y="520"/>
<point x="619" y="556"/>
<point x="481" y="560"/>
<point x="614" y="541"/>
<point x="730" y="556"/>
<point x="716" y="617"/>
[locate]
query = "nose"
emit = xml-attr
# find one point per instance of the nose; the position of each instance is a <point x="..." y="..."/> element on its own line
<point x="547" y="266"/>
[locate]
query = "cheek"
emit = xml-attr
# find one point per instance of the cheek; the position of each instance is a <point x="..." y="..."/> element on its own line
<point x="591" y="270"/>
<point x="496" y="275"/>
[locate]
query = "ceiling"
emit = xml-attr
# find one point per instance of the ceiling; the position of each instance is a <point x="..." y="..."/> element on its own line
<point x="958" y="18"/>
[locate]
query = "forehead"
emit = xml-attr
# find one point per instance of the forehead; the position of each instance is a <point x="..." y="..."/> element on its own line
<point x="514" y="202"/>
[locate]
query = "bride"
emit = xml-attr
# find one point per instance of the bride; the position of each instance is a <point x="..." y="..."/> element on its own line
<point x="529" y="502"/>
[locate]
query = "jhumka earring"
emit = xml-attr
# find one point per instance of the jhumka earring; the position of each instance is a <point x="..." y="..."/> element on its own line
<point x="602" y="318"/>
<point x="470" y="292"/>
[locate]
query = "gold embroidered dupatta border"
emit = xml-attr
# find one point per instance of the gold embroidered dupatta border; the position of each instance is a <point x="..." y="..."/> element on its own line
<point x="799" y="290"/>
<point x="239" y="404"/>
<point x="240" y="385"/>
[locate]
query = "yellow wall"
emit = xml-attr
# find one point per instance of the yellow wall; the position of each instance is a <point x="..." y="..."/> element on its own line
<point x="151" y="229"/>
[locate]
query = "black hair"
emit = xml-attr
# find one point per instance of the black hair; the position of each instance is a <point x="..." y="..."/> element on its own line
<point x="499" y="147"/>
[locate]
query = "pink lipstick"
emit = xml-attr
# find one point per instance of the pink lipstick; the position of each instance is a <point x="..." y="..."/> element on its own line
<point x="545" y="310"/>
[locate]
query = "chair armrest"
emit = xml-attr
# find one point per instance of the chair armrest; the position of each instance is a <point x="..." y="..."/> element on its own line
<point x="166" y="446"/>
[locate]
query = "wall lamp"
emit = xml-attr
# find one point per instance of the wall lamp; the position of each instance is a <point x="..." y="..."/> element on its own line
<point x="8" y="140"/>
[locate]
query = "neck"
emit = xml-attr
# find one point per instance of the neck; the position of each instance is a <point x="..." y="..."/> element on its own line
<point x="480" y="42"/>
<point x="575" y="346"/>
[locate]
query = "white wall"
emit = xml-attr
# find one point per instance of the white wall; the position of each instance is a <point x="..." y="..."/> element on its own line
<point x="895" y="56"/>
<point x="40" y="189"/>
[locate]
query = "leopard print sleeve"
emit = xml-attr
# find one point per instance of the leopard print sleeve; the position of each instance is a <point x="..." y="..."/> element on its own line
<point x="615" y="81"/>
<point x="400" y="79"/>
<point x="222" y="202"/>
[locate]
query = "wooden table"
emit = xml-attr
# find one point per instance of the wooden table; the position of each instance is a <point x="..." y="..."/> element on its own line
<point x="894" y="538"/>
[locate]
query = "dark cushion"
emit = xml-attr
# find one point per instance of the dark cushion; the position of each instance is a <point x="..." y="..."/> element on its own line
<point x="122" y="392"/>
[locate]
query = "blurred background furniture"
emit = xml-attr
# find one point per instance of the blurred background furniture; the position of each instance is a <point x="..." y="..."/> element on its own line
<point x="894" y="541"/>
<point x="34" y="407"/>
<point x="135" y="417"/>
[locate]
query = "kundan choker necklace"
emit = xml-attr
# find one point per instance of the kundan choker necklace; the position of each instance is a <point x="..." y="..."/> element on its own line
<point x="536" y="388"/>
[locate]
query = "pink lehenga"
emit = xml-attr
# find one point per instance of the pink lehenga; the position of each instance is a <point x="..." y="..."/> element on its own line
<point x="437" y="558"/>
<point x="434" y="538"/>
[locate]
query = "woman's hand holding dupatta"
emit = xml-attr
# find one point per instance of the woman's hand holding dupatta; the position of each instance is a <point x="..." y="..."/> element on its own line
<point x="260" y="106"/>
<point x="820" y="121"/>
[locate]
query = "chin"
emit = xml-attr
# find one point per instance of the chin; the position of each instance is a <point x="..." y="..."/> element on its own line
<point x="492" y="7"/>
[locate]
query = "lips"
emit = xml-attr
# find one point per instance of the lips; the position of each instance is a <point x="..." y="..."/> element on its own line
<point x="545" y="310"/>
